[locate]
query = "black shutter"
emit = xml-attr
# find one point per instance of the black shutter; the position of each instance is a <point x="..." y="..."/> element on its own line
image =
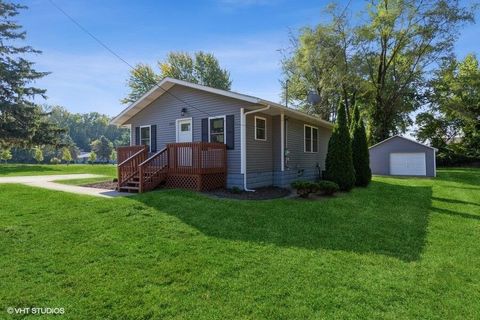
<point x="137" y="136"/>
<point x="230" y="131"/>
<point x="205" y="129"/>
<point x="153" y="138"/>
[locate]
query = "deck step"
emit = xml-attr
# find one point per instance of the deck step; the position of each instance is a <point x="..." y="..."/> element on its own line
<point x="129" y="188"/>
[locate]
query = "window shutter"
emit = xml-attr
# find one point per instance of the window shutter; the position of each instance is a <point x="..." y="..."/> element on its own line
<point x="137" y="136"/>
<point x="230" y="132"/>
<point x="205" y="129"/>
<point x="153" y="137"/>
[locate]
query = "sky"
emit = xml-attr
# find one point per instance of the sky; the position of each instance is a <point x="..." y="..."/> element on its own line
<point x="247" y="37"/>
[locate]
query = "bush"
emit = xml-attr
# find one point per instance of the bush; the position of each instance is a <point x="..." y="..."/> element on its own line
<point x="55" y="160"/>
<point x="339" y="163"/>
<point x="328" y="188"/>
<point x="360" y="154"/>
<point x="235" y="190"/>
<point x="304" y="188"/>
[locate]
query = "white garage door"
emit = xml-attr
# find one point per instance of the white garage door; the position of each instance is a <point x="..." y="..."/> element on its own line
<point x="408" y="164"/>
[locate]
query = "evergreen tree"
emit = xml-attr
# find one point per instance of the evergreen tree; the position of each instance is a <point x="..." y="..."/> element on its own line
<point x="22" y="123"/>
<point x="360" y="154"/>
<point x="339" y="164"/>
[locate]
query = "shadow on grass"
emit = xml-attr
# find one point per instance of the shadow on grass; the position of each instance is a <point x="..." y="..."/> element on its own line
<point x="456" y="201"/>
<point x="384" y="218"/>
<point x="467" y="176"/>
<point x="455" y="213"/>
<point x="22" y="168"/>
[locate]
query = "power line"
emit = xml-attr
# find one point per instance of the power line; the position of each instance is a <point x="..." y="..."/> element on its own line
<point x="119" y="57"/>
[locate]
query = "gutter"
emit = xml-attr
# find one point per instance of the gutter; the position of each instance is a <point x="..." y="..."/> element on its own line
<point x="243" y="122"/>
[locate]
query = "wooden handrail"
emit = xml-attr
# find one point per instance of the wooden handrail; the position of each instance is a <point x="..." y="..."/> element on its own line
<point x="123" y="153"/>
<point x="153" y="170"/>
<point x="129" y="168"/>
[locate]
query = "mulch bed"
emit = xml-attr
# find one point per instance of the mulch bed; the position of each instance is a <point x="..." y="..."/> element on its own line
<point x="102" y="185"/>
<point x="259" y="194"/>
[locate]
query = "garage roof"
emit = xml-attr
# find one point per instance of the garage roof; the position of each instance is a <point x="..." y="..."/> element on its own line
<point x="399" y="136"/>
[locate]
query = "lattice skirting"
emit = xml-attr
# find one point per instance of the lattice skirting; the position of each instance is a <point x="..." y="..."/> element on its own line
<point x="204" y="182"/>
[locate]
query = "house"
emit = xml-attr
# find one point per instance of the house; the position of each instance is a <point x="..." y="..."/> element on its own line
<point x="266" y="144"/>
<point x="399" y="156"/>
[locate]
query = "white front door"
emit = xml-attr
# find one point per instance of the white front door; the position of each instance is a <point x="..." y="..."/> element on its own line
<point x="184" y="130"/>
<point x="184" y="134"/>
<point x="408" y="164"/>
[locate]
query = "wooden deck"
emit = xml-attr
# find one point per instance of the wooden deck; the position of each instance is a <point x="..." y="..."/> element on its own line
<point x="199" y="166"/>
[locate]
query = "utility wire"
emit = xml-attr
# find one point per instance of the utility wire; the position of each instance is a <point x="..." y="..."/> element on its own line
<point x="119" y="57"/>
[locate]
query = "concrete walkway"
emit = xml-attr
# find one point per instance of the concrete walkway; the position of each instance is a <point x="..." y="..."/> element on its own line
<point x="48" y="182"/>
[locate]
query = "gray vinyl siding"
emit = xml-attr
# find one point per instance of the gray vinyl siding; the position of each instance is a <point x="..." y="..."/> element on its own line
<point x="277" y="143"/>
<point x="380" y="155"/>
<point x="259" y="153"/>
<point x="298" y="158"/>
<point x="167" y="109"/>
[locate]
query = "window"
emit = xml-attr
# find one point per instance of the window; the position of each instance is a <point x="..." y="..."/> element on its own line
<point x="217" y="129"/>
<point x="260" y="128"/>
<point x="310" y="139"/>
<point x="145" y="136"/>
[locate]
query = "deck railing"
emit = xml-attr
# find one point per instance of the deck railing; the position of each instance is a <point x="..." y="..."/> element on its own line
<point x="192" y="165"/>
<point x="123" y="153"/>
<point x="153" y="171"/>
<point x="197" y="158"/>
<point x="128" y="168"/>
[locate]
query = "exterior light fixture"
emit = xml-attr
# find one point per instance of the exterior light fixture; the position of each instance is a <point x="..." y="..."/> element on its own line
<point x="184" y="110"/>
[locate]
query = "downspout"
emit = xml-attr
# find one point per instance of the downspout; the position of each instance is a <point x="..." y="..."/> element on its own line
<point x="243" y="123"/>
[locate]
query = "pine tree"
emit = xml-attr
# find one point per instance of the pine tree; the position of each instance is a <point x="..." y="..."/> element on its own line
<point x="360" y="154"/>
<point x="339" y="164"/>
<point x="22" y="122"/>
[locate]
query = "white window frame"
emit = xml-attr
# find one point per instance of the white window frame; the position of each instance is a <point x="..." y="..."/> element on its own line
<point x="255" y="120"/>
<point x="311" y="142"/>
<point x="177" y="128"/>
<point x="224" y="117"/>
<point x="150" y="137"/>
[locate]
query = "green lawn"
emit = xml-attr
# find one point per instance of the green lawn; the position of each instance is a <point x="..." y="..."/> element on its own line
<point x="400" y="249"/>
<point x="109" y="170"/>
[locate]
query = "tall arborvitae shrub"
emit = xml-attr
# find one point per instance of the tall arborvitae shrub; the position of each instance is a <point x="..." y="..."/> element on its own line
<point x="339" y="164"/>
<point x="360" y="155"/>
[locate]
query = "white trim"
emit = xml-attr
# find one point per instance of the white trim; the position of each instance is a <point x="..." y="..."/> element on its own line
<point x="424" y="163"/>
<point x="399" y="136"/>
<point x="224" y="117"/>
<point x="243" y="151"/>
<point x="255" y="125"/>
<point x="177" y="127"/>
<point x="167" y="83"/>
<point x="282" y="142"/>
<point x="311" y="143"/>
<point x="149" y="134"/>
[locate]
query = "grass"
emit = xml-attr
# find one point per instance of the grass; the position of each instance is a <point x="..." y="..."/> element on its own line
<point x="6" y="170"/>
<point x="399" y="249"/>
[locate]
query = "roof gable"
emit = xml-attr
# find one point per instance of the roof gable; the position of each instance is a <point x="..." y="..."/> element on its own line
<point x="403" y="138"/>
<point x="166" y="84"/>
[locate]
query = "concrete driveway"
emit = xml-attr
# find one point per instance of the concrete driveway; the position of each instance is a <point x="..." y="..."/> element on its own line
<point x="47" y="182"/>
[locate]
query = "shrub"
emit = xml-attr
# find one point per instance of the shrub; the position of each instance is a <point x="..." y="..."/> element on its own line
<point x="360" y="154"/>
<point x="55" y="160"/>
<point x="339" y="164"/>
<point x="304" y="188"/>
<point x="235" y="190"/>
<point x="328" y="188"/>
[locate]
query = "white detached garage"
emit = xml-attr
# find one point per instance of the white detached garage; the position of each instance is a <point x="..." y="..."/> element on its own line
<point x="399" y="156"/>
